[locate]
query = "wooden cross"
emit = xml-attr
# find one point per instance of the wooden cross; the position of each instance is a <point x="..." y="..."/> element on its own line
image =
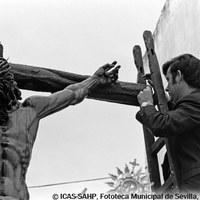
<point x="50" y="80"/>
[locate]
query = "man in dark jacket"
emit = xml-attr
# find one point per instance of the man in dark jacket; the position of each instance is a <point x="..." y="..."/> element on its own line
<point x="183" y="121"/>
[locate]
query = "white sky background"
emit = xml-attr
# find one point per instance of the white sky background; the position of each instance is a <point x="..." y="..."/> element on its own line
<point x="91" y="139"/>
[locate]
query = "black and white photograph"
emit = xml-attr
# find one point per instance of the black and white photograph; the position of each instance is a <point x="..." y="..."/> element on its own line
<point x="99" y="99"/>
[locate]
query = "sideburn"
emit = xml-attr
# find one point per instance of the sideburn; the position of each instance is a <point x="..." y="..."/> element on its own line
<point x="174" y="77"/>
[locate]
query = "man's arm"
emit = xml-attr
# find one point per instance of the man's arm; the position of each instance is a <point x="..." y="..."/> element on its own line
<point x="73" y="94"/>
<point x="174" y="122"/>
<point x="165" y="125"/>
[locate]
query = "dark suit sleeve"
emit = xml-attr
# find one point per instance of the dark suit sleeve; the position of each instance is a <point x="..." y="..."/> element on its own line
<point x="178" y="121"/>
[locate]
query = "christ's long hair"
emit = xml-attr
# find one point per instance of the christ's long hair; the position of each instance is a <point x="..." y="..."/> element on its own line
<point x="9" y="92"/>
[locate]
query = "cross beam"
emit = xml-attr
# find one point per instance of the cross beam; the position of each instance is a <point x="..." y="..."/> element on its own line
<point x="49" y="80"/>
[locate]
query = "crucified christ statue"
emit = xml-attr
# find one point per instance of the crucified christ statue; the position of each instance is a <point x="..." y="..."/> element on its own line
<point x="19" y="123"/>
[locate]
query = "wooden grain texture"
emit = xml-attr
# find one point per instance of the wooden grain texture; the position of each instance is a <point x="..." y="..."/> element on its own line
<point x="49" y="80"/>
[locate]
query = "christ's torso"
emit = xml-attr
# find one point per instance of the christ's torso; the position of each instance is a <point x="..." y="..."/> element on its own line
<point x="16" y="142"/>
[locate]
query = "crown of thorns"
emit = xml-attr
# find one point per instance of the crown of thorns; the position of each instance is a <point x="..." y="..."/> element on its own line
<point x="5" y="71"/>
<point x="7" y="83"/>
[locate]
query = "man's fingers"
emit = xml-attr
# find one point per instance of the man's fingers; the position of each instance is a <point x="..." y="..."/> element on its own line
<point x="149" y="89"/>
<point x="147" y="76"/>
<point x="150" y="82"/>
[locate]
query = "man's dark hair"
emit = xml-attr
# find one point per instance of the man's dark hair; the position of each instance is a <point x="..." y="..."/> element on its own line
<point x="189" y="66"/>
<point x="9" y="92"/>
